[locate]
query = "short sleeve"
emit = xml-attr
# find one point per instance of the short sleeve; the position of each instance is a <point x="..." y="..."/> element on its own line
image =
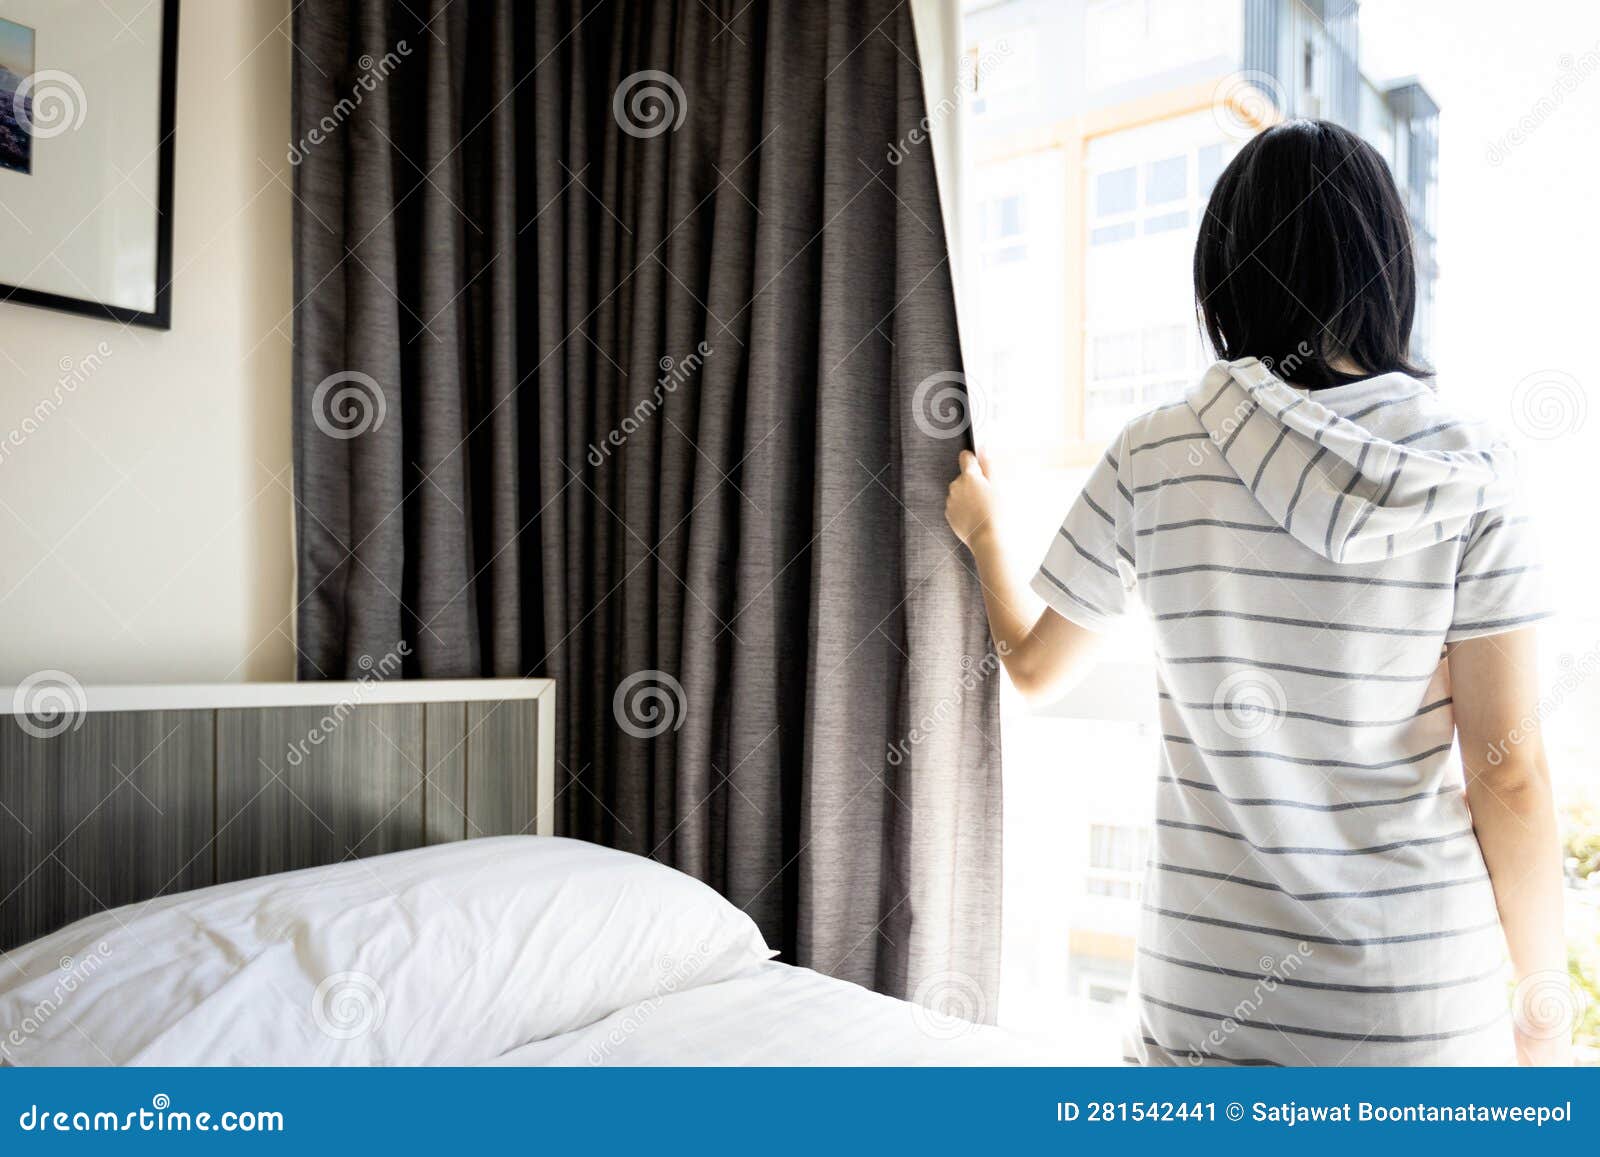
<point x="1500" y="578"/>
<point x="1088" y="571"/>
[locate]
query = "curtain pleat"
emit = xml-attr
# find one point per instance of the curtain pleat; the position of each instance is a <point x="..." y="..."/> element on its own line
<point x="653" y="421"/>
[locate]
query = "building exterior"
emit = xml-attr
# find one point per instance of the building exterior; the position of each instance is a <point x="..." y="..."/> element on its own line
<point x="1096" y="138"/>
<point x="1095" y="131"/>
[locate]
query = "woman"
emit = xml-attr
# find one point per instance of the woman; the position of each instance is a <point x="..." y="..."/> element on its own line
<point x="1342" y="589"/>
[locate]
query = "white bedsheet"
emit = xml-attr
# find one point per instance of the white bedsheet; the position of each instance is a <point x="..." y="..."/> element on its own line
<point x="775" y="1014"/>
<point x="485" y="951"/>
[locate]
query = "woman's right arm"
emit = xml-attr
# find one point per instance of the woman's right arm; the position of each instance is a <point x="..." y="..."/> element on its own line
<point x="1045" y="654"/>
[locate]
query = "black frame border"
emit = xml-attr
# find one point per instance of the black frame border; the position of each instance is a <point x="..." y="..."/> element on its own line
<point x="161" y="316"/>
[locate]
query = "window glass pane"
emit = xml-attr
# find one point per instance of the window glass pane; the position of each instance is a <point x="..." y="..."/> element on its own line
<point x="1010" y="216"/>
<point x="1115" y="192"/>
<point x="1121" y="850"/>
<point x="1099" y="838"/>
<point x="1167" y="222"/>
<point x="1115" y="355"/>
<point x="1166" y="180"/>
<point x="1165" y="349"/>
<point x="1109" y="233"/>
<point x="1116" y="889"/>
<point x="1103" y="397"/>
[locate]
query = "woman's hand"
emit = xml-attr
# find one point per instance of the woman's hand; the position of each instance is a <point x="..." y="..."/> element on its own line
<point x="1545" y="1052"/>
<point x="971" y="505"/>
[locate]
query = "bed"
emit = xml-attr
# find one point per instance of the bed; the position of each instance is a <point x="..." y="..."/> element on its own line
<point x="364" y="874"/>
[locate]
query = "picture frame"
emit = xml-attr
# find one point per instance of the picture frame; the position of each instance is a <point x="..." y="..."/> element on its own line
<point x="88" y="211"/>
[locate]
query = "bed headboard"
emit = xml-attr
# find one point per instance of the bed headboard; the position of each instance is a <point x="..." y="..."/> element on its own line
<point x="112" y="795"/>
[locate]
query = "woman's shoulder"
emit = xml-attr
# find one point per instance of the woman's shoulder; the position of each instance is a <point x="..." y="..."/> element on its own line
<point x="1431" y="419"/>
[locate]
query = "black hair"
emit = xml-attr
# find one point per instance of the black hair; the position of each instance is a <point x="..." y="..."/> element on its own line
<point x="1304" y="258"/>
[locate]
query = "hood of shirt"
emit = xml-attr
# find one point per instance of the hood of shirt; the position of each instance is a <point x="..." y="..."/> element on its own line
<point x="1345" y="492"/>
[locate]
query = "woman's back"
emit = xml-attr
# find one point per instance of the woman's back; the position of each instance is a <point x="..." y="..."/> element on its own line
<point x="1316" y="894"/>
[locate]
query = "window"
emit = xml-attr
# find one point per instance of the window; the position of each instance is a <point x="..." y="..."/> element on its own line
<point x="1117" y="856"/>
<point x="1162" y="393"/>
<point x="1116" y="355"/>
<point x="1105" y="234"/>
<point x="1116" y="192"/>
<point x="1001" y="230"/>
<point x="1010" y="216"/>
<point x="999" y="72"/>
<point x="1001" y="218"/>
<point x="1166" y="180"/>
<point x="1129" y="41"/>
<point x="1132" y="370"/>
<point x="1098" y="325"/>
<point x="1137" y="273"/>
<point x="1153" y="197"/>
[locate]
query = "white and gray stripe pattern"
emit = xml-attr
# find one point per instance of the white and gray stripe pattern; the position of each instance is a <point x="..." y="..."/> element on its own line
<point x="1316" y="894"/>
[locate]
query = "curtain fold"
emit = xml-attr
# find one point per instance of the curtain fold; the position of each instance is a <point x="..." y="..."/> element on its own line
<point x="646" y="378"/>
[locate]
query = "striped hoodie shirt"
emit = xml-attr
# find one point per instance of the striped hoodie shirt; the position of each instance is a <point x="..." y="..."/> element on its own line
<point x="1316" y="894"/>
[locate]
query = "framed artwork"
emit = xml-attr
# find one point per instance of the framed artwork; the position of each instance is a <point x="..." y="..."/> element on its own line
<point x="88" y="105"/>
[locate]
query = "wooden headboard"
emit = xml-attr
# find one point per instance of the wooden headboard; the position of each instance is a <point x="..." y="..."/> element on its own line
<point x="113" y="795"/>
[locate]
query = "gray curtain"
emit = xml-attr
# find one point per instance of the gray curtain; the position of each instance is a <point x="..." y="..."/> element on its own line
<point x="626" y="354"/>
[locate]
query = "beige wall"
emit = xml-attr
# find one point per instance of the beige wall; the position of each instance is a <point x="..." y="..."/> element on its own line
<point x="145" y="522"/>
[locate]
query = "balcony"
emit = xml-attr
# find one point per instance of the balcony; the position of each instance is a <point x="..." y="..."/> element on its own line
<point x="1305" y="56"/>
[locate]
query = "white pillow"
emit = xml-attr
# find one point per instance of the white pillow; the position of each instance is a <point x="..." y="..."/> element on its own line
<point x="443" y="955"/>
